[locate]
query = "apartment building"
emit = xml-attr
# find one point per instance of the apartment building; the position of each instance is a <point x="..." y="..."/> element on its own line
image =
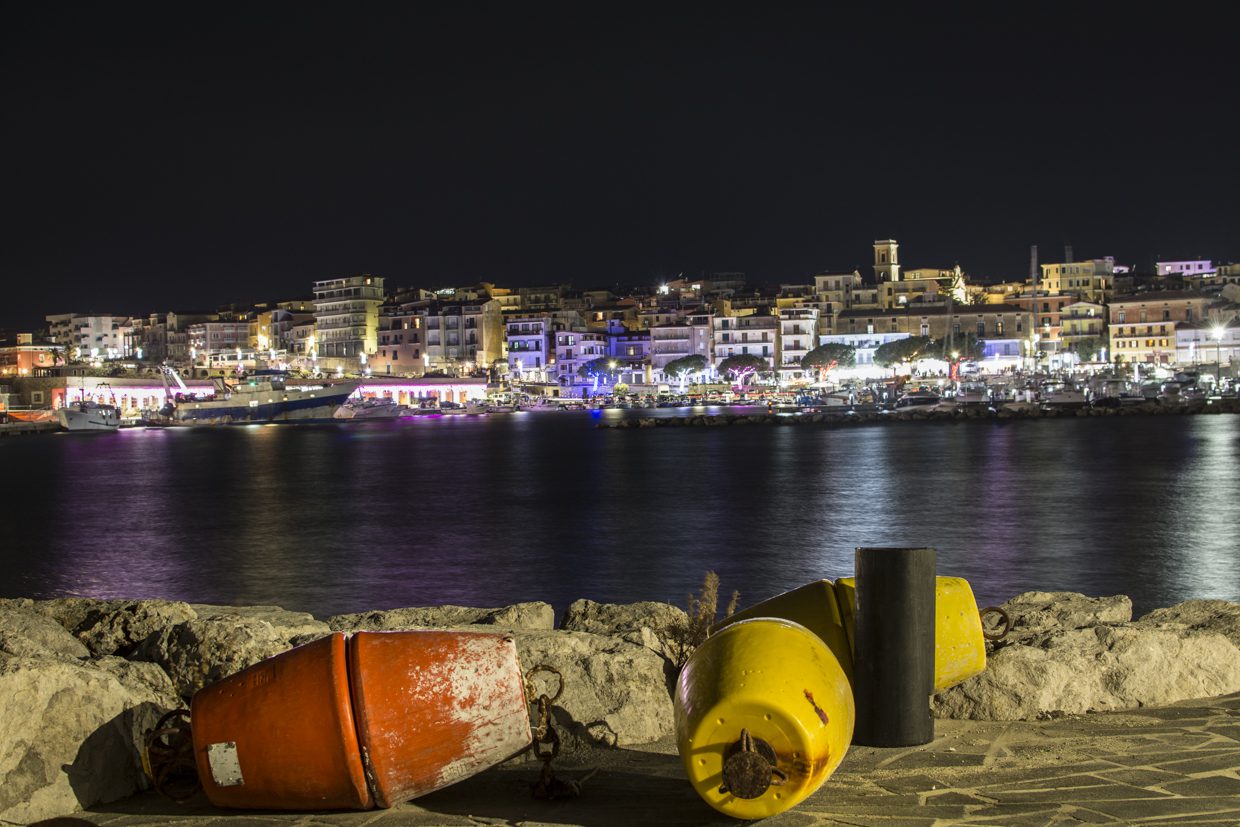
<point x="88" y="336"/>
<point x="346" y="319"/>
<point x="209" y="341"/>
<point x="798" y="335"/>
<point x="574" y="348"/>
<point x="755" y="335"/>
<point x="1092" y="280"/>
<point x="1081" y="321"/>
<point x="1141" y="327"/>
<point x="531" y="345"/>
<point x="691" y="337"/>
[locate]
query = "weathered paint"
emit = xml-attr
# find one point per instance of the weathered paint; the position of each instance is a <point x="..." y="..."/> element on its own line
<point x="434" y="707"/>
<point x="225" y="768"/>
<point x="353" y="723"/>
<point x="758" y="675"/>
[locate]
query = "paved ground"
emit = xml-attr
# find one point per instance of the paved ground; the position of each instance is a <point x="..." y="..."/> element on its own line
<point x="1178" y="765"/>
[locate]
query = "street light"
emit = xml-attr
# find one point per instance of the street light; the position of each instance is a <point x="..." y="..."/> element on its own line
<point x="1217" y="331"/>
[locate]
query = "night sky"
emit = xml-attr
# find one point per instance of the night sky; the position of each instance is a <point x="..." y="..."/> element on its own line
<point x="180" y="157"/>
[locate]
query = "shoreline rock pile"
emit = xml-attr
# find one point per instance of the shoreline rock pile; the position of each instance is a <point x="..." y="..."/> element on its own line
<point x="81" y="680"/>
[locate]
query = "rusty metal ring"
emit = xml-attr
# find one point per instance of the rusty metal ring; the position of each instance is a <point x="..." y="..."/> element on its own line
<point x="1002" y="631"/>
<point x="168" y="757"/>
<point x="542" y="667"/>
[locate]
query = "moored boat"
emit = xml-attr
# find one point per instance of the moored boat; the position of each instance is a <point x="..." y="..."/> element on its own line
<point x="918" y="399"/>
<point x="264" y="400"/>
<point x="365" y="409"/>
<point x="88" y="416"/>
<point x="1061" y="396"/>
<point x="973" y="395"/>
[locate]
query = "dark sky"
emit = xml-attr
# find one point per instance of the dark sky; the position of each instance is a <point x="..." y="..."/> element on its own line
<point x="180" y="157"/>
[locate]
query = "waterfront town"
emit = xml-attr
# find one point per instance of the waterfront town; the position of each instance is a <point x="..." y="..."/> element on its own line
<point x="1069" y="319"/>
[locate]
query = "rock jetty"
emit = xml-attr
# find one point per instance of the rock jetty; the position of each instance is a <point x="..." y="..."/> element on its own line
<point x="847" y="418"/>
<point x="82" y="679"/>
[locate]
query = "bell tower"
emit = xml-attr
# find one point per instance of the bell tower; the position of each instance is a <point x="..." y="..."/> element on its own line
<point x="887" y="260"/>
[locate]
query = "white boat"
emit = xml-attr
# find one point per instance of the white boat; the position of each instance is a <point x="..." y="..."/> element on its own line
<point x="264" y="400"/>
<point x="367" y="409"/>
<point x="1061" y="396"/>
<point x="552" y="403"/>
<point x="974" y="395"/>
<point x="918" y="399"/>
<point x="88" y="416"/>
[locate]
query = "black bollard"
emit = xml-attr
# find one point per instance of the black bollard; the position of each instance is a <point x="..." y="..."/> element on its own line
<point x="893" y="661"/>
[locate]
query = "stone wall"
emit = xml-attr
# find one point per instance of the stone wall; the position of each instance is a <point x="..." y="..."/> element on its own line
<point x="81" y="680"/>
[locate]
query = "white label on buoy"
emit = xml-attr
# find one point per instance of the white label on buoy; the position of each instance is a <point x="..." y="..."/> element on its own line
<point x="225" y="768"/>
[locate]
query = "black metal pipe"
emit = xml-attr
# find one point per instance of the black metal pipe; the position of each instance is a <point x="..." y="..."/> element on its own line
<point x="893" y="661"/>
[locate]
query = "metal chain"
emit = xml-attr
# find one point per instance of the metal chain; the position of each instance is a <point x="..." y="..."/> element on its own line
<point x="546" y="745"/>
<point x="168" y="757"/>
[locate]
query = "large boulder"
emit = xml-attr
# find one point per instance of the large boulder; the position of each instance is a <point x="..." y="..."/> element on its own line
<point x="650" y="624"/>
<point x="615" y="692"/>
<point x="534" y="616"/>
<point x="71" y="730"/>
<point x="1095" y="669"/>
<point x="25" y="632"/>
<point x="1219" y="616"/>
<point x="294" y="627"/>
<point x="1034" y="613"/>
<point x="118" y="627"/>
<point x="217" y="644"/>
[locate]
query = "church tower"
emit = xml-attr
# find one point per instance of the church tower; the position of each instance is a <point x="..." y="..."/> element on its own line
<point x="887" y="260"/>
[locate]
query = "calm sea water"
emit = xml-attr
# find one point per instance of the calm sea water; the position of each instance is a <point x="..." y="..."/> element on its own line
<point x="488" y="511"/>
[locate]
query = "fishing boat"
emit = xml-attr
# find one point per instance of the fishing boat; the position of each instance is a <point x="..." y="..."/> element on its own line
<point x="88" y="416"/>
<point x="266" y="397"/>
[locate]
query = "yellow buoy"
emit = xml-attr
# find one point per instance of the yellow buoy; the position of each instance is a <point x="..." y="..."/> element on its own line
<point x="814" y="606"/>
<point x="959" y="648"/>
<point x="764" y="714"/>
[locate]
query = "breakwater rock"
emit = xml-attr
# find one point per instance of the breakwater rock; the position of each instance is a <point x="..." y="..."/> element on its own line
<point x="848" y="418"/>
<point x="81" y="680"/>
<point x="1069" y="654"/>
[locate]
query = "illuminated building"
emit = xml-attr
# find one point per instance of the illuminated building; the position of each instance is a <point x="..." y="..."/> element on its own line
<point x="346" y="320"/>
<point x="1142" y="327"/>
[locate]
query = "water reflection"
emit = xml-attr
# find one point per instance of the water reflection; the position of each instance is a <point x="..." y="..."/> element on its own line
<point x="490" y="511"/>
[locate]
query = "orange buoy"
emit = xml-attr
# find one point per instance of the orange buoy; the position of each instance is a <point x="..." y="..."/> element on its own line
<point x="434" y="707"/>
<point x="353" y="723"/>
<point x="281" y="734"/>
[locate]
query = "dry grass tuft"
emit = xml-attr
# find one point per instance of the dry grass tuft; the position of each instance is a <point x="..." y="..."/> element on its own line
<point x="683" y="637"/>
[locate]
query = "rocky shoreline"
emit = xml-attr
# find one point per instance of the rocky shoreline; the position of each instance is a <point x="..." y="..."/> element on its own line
<point x="1005" y="413"/>
<point x="82" y="679"/>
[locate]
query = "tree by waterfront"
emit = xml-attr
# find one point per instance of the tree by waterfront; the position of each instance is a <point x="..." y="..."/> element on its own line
<point x="902" y="350"/>
<point x="743" y="365"/>
<point x="685" y="366"/>
<point x="1088" y="348"/>
<point x="830" y="355"/>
